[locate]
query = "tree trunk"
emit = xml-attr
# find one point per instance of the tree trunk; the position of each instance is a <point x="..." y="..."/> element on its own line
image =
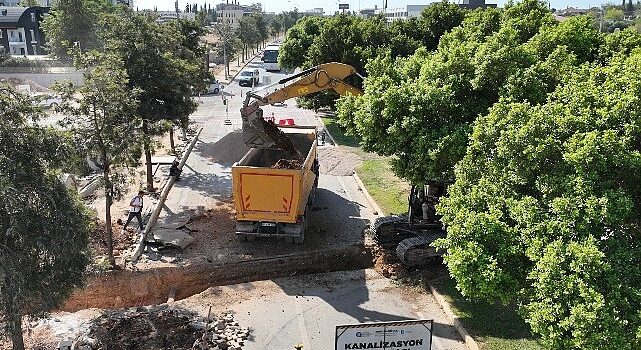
<point x="172" y="144"/>
<point x="108" y="202"/>
<point x="14" y="318"/>
<point x="150" y="175"/>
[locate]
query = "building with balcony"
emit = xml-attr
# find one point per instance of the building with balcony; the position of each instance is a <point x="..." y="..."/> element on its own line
<point x="20" y="32"/>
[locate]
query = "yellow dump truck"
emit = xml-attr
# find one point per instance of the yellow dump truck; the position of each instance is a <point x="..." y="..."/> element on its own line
<point x="273" y="192"/>
<point x="275" y="183"/>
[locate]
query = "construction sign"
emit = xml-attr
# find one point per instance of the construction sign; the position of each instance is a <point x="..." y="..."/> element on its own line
<point x="403" y="335"/>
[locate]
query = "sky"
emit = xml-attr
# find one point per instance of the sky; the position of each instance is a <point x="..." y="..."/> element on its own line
<point x="330" y="6"/>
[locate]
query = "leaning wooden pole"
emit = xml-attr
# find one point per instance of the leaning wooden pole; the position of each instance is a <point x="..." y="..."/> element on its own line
<point x="163" y="197"/>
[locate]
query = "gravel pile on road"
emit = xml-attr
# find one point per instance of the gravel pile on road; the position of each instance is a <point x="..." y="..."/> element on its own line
<point x="162" y="327"/>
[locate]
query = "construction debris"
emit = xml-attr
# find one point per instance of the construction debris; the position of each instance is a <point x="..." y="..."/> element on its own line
<point x="287" y="164"/>
<point x="162" y="327"/>
<point x="172" y="238"/>
<point x="222" y="334"/>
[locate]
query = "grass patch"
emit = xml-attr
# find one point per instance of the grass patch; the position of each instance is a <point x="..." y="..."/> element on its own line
<point x="498" y="327"/>
<point x="389" y="192"/>
<point x="338" y="133"/>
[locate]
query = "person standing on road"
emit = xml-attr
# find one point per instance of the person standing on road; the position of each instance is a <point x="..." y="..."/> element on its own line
<point x="135" y="211"/>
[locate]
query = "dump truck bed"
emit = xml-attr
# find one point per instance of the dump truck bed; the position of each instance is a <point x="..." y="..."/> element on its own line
<point x="271" y="186"/>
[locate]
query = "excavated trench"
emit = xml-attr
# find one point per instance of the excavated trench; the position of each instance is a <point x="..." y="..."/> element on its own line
<point x="126" y="288"/>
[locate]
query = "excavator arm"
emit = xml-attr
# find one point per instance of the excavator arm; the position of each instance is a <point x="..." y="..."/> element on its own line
<point x="259" y="133"/>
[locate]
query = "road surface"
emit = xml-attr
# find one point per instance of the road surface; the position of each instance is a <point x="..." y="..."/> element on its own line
<point x="306" y="309"/>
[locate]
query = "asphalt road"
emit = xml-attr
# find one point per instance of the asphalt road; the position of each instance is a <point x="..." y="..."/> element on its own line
<point x="306" y="309"/>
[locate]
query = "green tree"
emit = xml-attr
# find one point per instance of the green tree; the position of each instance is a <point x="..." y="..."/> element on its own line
<point x="544" y="210"/>
<point x="157" y="60"/>
<point x="74" y="22"/>
<point x="420" y="109"/>
<point x="43" y="228"/>
<point x="294" y="49"/>
<point x="613" y="14"/>
<point x="101" y="115"/>
<point x="248" y="33"/>
<point x="261" y="26"/>
<point x="437" y="19"/>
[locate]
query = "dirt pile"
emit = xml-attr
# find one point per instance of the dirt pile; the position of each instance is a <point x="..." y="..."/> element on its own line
<point x="228" y="150"/>
<point x="287" y="164"/>
<point x="162" y="327"/>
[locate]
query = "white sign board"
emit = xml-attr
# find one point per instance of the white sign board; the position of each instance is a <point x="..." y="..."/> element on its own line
<point x="403" y="335"/>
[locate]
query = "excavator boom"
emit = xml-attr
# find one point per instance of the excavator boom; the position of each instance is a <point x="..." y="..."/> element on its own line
<point x="259" y="133"/>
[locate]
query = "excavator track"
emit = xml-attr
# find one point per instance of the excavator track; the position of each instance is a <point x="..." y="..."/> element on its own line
<point x="384" y="230"/>
<point x="418" y="250"/>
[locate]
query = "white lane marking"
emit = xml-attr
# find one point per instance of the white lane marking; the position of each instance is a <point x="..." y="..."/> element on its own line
<point x="344" y="188"/>
<point x="300" y="317"/>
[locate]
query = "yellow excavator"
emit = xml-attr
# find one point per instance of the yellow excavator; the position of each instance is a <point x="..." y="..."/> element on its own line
<point x="259" y="133"/>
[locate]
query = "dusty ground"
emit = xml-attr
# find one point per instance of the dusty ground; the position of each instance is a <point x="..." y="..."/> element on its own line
<point x="336" y="161"/>
<point x="175" y="325"/>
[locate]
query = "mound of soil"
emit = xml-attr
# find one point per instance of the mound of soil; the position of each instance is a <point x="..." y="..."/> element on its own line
<point x="151" y="329"/>
<point x="287" y="164"/>
<point x="228" y="150"/>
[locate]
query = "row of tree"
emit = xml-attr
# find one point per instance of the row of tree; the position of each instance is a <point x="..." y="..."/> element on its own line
<point x="139" y="79"/>
<point x="535" y="124"/>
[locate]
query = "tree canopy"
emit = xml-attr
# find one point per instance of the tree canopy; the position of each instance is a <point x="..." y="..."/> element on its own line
<point x="43" y="228"/>
<point x="74" y="21"/>
<point x="420" y="109"/>
<point x="544" y="210"/>
<point x="161" y="64"/>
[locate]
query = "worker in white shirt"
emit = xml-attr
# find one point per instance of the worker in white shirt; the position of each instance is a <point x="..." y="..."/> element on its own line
<point x="135" y="210"/>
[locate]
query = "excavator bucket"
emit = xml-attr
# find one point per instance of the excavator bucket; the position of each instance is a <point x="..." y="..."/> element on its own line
<point x="259" y="133"/>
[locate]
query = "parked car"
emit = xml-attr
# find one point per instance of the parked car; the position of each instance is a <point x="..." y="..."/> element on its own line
<point x="248" y="78"/>
<point x="215" y="87"/>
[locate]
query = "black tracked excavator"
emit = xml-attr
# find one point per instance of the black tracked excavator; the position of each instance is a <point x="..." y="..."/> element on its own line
<point x="412" y="235"/>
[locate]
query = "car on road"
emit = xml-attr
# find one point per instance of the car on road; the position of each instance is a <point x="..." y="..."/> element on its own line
<point x="248" y="77"/>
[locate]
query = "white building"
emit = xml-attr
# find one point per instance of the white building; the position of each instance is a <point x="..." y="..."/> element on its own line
<point x="229" y="13"/>
<point x="402" y="12"/>
<point x="164" y="16"/>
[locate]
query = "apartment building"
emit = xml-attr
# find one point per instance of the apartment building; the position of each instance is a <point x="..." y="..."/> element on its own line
<point x="20" y="32"/>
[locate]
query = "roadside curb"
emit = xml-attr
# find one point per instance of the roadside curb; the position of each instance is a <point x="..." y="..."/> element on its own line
<point x="470" y="343"/>
<point x="378" y="211"/>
